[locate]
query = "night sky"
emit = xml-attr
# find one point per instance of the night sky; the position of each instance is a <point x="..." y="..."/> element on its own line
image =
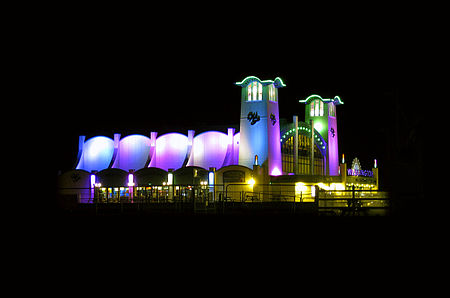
<point x="110" y="80"/>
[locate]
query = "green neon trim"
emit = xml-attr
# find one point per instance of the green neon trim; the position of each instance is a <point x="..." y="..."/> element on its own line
<point x="336" y="100"/>
<point x="318" y="140"/>
<point x="278" y="82"/>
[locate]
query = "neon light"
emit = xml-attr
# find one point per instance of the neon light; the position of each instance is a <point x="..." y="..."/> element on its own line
<point x="278" y="82"/>
<point x="336" y="100"/>
<point x="170" y="178"/>
<point x="211" y="178"/>
<point x="300" y="186"/>
<point x="365" y="173"/>
<point x="275" y="172"/>
<point x="317" y="126"/>
<point x="130" y="180"/>
<point x="92" y="180"/>
<point x="323" y="186"/>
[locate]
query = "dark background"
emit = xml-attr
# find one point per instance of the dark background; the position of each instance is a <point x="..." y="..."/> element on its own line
<point x="137" y="75"/>
<point x="128" y="70"/>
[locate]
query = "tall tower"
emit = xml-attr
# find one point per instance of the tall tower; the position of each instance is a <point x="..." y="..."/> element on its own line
<point x="323" y="112"/>
<point x="260" y="124"/>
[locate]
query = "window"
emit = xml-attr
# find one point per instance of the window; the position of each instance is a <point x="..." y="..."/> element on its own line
<point x="304" y="161"/>
<point x="259" y="91"/>
<point x="272" y="93"/>
<point x="316" y="107"/>
<point x="331" y="110"/>
<point x="254" y="91"/>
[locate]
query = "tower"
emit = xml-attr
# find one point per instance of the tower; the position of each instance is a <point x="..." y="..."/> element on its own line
<point x="259" y="124"/>
<point x="323" y="112"/>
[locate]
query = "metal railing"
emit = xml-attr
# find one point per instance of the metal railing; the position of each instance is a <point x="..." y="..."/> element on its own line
<point x="353" y="202"/>
<point x="219" y="198"/>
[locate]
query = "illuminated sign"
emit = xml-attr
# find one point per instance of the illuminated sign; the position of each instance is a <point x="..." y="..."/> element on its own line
<point x="352" y="172"/>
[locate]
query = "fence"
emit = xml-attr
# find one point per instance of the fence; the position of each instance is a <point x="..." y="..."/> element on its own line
<point x="353" y="202"/>
<point x="220" y="198"/>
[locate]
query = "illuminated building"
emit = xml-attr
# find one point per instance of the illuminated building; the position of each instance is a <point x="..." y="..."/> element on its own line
<point x="267" y="158"/>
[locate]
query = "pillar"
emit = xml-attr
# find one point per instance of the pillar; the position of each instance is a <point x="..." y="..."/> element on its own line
<point x="295" y="118"/>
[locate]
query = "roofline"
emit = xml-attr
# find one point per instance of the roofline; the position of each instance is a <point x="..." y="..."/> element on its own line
<point x="278" y="82"/>
<point x="336" y="100"/>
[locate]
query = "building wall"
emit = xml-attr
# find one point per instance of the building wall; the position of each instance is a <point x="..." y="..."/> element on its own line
<point x="333" y="150"/>
<point x="96" y="154"/>
<point x="133" y="152"/>
<point x="209" y="149"/>
<point x="261" y="137"/>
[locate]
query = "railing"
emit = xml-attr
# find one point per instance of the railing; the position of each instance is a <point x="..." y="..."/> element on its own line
<point x="353" y="202"/>
<point x="218" y="198"/>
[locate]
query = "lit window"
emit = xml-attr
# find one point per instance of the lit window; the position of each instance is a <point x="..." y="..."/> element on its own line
<point x="331" y="110"/>
<point x="259" y="91"/>
<point x="316" y="109"/>
<point x="254" y="91"/>
<point x="312" y="109"/>
<point x="272" y="94"/>
<point x="321" y="108"/>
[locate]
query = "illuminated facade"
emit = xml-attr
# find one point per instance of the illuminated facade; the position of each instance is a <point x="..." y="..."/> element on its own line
<point x="301" y="155"/>
<point x="259" y="124"/>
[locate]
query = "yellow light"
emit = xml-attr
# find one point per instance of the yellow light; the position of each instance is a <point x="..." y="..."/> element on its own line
<point x="300" y="186"/>
<point x="323" y="186"/>
<point x="251" y="182"/>
<point x="337" y="186"/>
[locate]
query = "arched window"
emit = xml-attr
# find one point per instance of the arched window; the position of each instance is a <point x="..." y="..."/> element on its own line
<point x="316" y="108"/>
<point x="304" y="162"/>
<point x="254" y="91"/>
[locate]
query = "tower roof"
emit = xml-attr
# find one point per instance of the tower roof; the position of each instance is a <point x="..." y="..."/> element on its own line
<point x="278" y="82"/>
<point x="336" y="100"/>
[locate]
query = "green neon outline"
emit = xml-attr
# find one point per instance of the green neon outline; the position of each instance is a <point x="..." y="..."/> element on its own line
<point x="318" y="139"/>
<point x="336" y="100"/>
<point x="278" y="82"/>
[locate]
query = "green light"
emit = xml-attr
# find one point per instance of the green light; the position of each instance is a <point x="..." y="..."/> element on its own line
<point x="336" y="100"/>
<point x="278" y="82"/>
